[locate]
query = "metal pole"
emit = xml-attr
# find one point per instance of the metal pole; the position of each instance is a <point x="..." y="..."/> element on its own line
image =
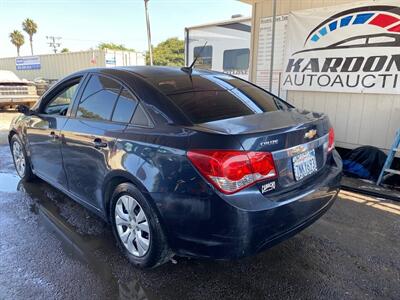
<point x="272" y="44"/>
<point x="187" y="63"/>
<point x="148" y="32"/>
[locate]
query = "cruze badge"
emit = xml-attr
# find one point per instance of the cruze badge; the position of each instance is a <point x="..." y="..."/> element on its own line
<point x="310" y="134"/>
<point x="269" y="143"/>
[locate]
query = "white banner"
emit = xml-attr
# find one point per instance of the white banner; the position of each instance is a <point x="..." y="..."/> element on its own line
<point x="349" y="48"/>
<point x="264" y="53"/>
<point x="27" y="63"/>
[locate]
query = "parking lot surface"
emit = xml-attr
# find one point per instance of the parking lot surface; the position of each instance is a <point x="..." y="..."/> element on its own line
<point x="5" y="120"/>
<point x="53" y="248"/>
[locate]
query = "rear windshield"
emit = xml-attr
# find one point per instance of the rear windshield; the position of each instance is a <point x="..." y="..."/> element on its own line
<point x="208" y="106"/>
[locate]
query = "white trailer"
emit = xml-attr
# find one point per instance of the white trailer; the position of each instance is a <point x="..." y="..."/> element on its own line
<point x="227" y="49"/>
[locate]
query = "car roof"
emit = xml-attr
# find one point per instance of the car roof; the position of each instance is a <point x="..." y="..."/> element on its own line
<point x="173" y="80"/>
<point x="161" y="71"/>
<point x="167" y="81"/>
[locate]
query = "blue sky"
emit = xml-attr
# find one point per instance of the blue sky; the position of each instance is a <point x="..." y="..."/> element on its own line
<point x="84" y="24"/>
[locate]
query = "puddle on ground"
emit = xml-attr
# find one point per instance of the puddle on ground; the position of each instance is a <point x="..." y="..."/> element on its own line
<point x="84" y="237"/>
<point x="8" y="182"/>
<point x="48" y="205"/>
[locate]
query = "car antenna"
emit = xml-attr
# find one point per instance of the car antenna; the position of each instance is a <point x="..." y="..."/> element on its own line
<point x="189" y="69"/>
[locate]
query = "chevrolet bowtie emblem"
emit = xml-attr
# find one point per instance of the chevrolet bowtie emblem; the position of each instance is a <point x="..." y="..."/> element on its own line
<point x="310" y="134"/>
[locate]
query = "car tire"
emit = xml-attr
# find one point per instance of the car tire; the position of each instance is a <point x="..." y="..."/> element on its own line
<point x="131" y="239"/>
<point x="21" y="160"/>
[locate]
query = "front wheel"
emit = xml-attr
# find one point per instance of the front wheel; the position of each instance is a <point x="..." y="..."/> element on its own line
<point x="21" y="160"/>
<point x="137" y="228"/>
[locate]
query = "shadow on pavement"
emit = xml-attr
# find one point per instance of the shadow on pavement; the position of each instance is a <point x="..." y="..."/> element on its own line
<point x="74" y="242"/>
<point x="352" y="252"/>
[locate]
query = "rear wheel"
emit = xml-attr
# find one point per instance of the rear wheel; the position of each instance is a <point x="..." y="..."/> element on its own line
<point x="21" y="160"/>
<point x="137" y="228"/>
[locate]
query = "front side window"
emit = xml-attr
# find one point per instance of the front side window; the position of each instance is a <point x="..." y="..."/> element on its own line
<point x="59" y="104"/>
<point x="236" y="59"/>
<point x="204" y="54"/>
<point x="99" y="98"/>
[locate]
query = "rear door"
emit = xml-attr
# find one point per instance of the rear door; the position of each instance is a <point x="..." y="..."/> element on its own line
<point x="101" y="114"/>
<point x="43" y="132"/>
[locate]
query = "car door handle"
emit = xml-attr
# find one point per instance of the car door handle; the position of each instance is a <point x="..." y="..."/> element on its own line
<point x="98" y="143"/>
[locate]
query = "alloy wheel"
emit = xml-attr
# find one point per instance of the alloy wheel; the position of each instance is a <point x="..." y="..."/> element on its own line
<point x="132" y="225"/>
<point x="19" y="158"/>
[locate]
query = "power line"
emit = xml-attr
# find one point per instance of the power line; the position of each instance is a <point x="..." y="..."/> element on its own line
<point x="54" y="42"/>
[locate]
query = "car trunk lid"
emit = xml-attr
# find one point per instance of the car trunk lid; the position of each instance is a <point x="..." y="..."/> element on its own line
<point x="292" y="136"/>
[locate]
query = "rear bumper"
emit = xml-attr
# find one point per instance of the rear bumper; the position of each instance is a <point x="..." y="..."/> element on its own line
<point x="220" y="230"/>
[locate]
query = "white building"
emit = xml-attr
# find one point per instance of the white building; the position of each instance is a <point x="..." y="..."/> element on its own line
<point x="338" y="41"/>
<point x="56" y="66"/>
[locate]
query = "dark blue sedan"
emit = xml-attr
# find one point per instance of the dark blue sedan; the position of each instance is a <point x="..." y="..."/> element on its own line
<point x="186" y="162"/>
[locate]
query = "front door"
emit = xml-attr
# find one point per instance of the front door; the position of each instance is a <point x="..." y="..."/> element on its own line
<point x="44" y="134"/>
<point x="90" y="136"/>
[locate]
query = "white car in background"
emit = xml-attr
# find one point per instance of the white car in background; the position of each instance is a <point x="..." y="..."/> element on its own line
<point x="15" y="91"/>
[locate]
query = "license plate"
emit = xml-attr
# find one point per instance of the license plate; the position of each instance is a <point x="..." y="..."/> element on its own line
<point x="304" y="164"/>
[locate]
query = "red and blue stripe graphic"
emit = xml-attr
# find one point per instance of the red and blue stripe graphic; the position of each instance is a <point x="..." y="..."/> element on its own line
<point x="383" y="16"/>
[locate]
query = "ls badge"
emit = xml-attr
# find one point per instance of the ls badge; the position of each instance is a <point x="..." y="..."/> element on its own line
<point x="268" y="187"/>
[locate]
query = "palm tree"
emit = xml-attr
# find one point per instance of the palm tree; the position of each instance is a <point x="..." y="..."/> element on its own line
<point x="30" y="27"/>
<point x="17" y="39"/>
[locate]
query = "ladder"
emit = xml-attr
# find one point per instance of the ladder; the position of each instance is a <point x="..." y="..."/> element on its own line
<point x="386" y="167"/>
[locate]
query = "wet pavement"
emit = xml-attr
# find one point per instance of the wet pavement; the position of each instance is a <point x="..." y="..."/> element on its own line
<point x="52" y="248"/>
<point x="5" y="120"/>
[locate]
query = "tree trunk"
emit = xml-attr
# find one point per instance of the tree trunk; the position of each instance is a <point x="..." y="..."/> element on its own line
<point x="17" y="51"/>
<point x="30" y="40"/>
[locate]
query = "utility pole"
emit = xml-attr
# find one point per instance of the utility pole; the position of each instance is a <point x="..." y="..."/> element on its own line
<point x="271" y="69"/>
<point x="148" y="32"/>
<point x="54" y="42"/>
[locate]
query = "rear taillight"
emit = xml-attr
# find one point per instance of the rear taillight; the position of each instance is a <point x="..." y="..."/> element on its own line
<point x="230" y="170"/>
<point x="331" y="140"/>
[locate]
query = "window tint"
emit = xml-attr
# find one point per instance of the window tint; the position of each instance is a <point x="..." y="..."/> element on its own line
<point x="59" y="105"/>
<point x="204" y="60"/>
<point x="262" y="99"/>
<point x="240" y="100"/>
<point x="140" y="118"/>
<point x="99" y="98"/>
<point x="125" y="106"/>
<point x="236" y="59"/>
<point x="206" y="106"/>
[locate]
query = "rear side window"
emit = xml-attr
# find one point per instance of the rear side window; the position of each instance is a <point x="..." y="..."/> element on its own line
<point x="140" y="117"/>
<point x="99" y="98"/>
<point x="125" y="107"/>
<point x="239" y="99"/>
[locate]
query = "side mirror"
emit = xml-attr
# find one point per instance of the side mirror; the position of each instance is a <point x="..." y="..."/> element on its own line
<point x="24" y="110"/>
